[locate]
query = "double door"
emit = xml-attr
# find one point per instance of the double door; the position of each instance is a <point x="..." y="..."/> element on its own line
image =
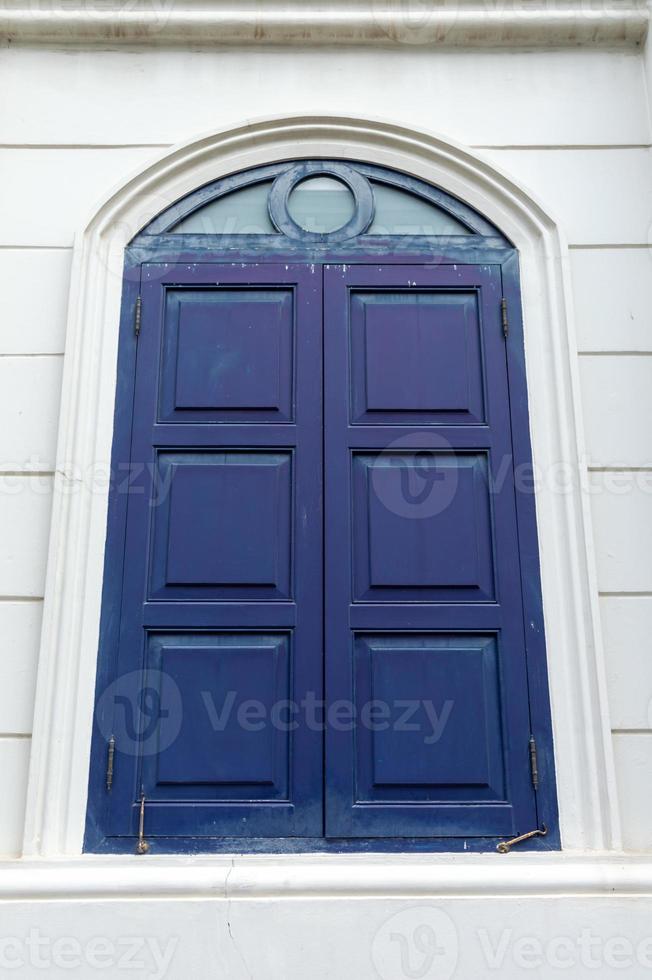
<point x="321" y="624"/>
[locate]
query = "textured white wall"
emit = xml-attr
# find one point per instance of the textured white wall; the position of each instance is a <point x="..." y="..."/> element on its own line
<point x="572" y="126"/>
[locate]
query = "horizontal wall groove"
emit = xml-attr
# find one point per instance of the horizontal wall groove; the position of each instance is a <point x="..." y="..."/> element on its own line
<point x="25" y="473"/>
<point x="631" y="731"/>
<point x="19" y="355"/>
<point x="21" y="598"/>
<point x="35" y="248"/>
<point x="596" y="246"/>
<point x="624" y="595"/>
<point x="560" y="147"/>
<point x="614" y="353"/>
<point x="613" y="468"/>
<point x="15" y="736"/>
<point x="86" y="146"/>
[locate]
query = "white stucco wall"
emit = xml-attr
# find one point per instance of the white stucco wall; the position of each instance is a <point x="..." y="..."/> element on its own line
<point x="574" y="127"/>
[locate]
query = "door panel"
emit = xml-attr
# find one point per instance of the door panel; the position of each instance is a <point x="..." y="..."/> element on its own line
<point x="223" y="526"/>
<point x="222" y="598"/>
<point x="423" y="616"/>
<point x="447" y="553"/>
<point x="429" y="371"/>
<point x="443" y="733"/>
<point x="245" y="761"/>
<point x="227" y="355"/>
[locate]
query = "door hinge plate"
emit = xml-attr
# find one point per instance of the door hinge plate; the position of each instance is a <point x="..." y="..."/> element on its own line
<point x="534" y="762"/>
<point x="110" y="756"/>
<point x="504" y="318"/>
<point x="138" y="313"/>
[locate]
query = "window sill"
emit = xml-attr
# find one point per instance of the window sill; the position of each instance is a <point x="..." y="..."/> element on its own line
<point x="96" y="877"/>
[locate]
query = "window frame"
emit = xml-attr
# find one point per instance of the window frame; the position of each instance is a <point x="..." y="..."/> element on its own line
<point x="58" y="778"/>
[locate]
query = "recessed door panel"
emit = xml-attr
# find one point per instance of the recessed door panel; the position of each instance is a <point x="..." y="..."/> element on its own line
<point x="421" y="527"/>
<point x="217" y="693"/>
<point x="416" y="356"/>
<point x="223" y="528"/>
<point x="227" y="355"/>
<point x="435" y="732"/>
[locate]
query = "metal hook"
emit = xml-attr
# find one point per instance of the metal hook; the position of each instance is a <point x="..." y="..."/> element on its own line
<point x="505" y="846"/>
<point x="142" y="846"/>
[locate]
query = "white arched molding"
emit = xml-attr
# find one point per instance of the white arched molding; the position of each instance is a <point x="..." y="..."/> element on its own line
<point x="57" y="791"/>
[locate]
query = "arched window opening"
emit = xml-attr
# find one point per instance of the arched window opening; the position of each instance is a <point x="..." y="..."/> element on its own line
<point x="315" y="597"/>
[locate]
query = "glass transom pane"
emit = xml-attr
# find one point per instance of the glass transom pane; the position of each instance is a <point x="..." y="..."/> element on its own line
<point x="400" y="213"/>
<point x="242" y="212"/>
<point x="321" y="204"/>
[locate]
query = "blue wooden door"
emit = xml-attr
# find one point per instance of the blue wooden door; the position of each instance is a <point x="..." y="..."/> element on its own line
<point x="321" y="622"/>
<point x="424" y="633"/>
<point x="222" y="596"/>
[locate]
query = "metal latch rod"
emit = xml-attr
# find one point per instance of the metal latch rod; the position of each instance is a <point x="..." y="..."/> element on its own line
<point x="505" y="846"/>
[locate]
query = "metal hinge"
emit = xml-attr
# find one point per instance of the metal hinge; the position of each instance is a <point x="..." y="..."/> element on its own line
<point x="505" y="846"/>
<point x="109" y="763"/>
<point x="534" y="764"/>
<point x="138" y="315"/>
<point x="504" y="317"/>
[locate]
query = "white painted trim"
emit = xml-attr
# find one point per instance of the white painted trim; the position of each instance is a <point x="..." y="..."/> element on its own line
<point x="59" y="766"/>
<point x="93" y="878"/>
<point x="301" y="22"/>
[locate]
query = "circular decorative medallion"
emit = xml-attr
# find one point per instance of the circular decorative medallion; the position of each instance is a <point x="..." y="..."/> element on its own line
<point x="287" y="181"/>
